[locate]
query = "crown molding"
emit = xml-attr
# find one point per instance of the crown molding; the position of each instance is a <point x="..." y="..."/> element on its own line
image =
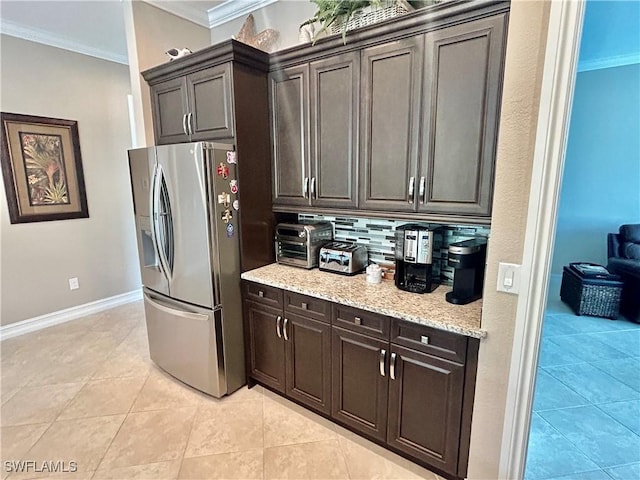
<point x="609" y="62"/>
<point x="179" y="9"/>
<point x="232" y="9"/>
<point x="19" y="30"/>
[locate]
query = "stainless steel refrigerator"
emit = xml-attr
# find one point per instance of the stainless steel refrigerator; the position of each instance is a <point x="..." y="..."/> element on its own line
<point x="186" y="213"/>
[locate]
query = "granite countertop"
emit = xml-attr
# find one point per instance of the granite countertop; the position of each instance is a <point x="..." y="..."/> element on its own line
<point x="429" y="309"/>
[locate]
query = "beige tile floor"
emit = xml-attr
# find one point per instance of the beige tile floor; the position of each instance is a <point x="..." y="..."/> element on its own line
<point x="86" y="391"/>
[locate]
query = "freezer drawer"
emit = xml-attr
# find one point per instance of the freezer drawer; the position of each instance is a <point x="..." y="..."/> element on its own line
<point x="186" y="342"/>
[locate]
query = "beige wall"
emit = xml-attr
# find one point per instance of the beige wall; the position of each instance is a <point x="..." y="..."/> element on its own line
<point x="151" y="32"/>
<point x="520" y="100"/>
<point x="285" y="16"/>
<point x="39" y="258"/>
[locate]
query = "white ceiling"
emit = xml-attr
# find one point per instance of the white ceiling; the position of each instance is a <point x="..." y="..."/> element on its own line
<point x="96" y="27"/>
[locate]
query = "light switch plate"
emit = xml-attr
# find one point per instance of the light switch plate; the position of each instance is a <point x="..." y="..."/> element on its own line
<point x="509" y="278"/>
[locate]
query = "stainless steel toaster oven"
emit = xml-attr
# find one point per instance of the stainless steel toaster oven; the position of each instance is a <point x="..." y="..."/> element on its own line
<point x="298" y="244"/>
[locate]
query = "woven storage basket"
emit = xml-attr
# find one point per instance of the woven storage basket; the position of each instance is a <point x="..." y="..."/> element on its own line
<point x="591" y="296"/>
<point x="371" y="15"/>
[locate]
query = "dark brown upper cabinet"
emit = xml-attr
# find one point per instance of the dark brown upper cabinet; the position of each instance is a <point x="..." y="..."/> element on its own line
<point x="289" y="98"/>
<point x="462" y="82"/>
<point x="334" y="101"/>
<point x="220" y="93"/>
<point x="194" y="107"/>
<point x="315" y="132"/>
<point x="391" y="84"/>
<point x="426" y="117"/>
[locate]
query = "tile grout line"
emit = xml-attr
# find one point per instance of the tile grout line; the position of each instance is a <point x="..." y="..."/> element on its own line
<point x="186" y="444"/>
<point x="126" y="415"/>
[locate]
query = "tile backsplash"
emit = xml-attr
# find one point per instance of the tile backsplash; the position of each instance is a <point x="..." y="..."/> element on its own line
<point x="378" y="235"/>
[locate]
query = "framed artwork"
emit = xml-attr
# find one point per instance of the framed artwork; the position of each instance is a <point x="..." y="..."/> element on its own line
<point x="42" y="168"/>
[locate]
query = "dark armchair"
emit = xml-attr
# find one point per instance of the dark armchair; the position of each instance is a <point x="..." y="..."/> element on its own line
<point x="623" y="259"/>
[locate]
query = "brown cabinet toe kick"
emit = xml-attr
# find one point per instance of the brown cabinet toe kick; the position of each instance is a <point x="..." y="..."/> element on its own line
<point x="405" y="386"/>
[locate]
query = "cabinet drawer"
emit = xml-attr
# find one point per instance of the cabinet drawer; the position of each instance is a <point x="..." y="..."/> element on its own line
<point x="263" y="294"/>
<point x="369" y="323"/>
<point x="307" y="306"/>
<point x="447" y="345"/>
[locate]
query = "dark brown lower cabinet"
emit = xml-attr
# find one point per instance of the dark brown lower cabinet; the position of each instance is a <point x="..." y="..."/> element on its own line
<point x="308" y="362"/>
<point x="407" y="386"/>
<point x="266" y="347"/>
<point x="425" y="404"/>
<point x="288" y="352"/>
<point x="359" y="385"/>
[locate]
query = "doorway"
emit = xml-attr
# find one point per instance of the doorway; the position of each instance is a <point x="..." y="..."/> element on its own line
<point x="586" y="410"/>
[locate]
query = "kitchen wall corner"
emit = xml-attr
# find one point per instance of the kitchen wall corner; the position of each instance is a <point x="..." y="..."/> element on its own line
<point x="526" y="42"/>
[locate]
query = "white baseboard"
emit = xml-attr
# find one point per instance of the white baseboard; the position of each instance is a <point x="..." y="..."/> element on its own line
<point x="61" y="316"/>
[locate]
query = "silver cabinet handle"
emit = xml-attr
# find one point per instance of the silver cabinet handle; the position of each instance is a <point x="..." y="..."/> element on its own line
<point x="305" y="187"/>
<point x="412" y="182"/>
<point x="421" y="189"/>
<point x="314" y="193"/>
<point x="392" y="366"/>
<point x="184" y="124"/>
<point x="284" y="329"/>
<point x="383" y="357"/>
<point x="190" y="123"/>
<point x="278" y="326"/>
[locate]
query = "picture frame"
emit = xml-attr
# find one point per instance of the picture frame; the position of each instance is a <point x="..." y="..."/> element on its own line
<point x="42" y="168"/>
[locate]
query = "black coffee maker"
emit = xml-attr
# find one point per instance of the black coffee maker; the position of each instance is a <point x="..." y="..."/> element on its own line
<point x="414" y="258"/>
<point x="468" y="260"/>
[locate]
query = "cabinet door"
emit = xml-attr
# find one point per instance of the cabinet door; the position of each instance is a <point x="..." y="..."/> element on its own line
<point x="334" y="104"/>
<point x="359" y="382"/>
<point x="211" y="103"/>
<point x="169" y="106"/>
<point x="308" y="362"/>
<point x="391" y="86"/>
<point x="463" y="80"/>
<point x="289" y="96"/>
<point x="266" y="347"/>
<point x="425" y="405"/>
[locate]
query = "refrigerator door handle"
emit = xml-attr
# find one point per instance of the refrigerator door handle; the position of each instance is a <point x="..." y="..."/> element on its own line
<point x="174" y="311"/>
<point x="154" y="217"/>
<point x="160" y="232"/>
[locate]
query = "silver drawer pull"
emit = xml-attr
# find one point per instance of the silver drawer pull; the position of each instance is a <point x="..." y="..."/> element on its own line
<point x="261" y="294"/>
<point x="304" y="306"/>
<point x="357" y="320"/>
<point x="383" y="357"/>
<point x="424" y="339"/>
<point x="392" y="366"/>
<point x="278" y="327"/>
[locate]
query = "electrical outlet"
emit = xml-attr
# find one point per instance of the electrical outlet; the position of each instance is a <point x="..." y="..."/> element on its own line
<point x="509" y="278"/>
<point x="73" y="283"/>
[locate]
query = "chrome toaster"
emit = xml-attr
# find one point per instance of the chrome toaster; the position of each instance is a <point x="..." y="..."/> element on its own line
<point x="343" y="257"/>
<point x="298" y="244"/>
